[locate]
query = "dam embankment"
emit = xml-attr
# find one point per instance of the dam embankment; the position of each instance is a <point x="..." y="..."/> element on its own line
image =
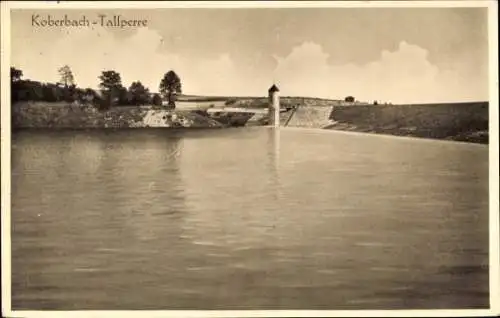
<point x="467" y="122"/>
<point x="310" y="117"/>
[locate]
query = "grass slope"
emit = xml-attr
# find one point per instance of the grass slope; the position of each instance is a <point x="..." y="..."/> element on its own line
<point x="452" y="121"/>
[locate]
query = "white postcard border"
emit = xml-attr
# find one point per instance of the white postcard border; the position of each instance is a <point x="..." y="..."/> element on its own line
<point x="493" y="156"/>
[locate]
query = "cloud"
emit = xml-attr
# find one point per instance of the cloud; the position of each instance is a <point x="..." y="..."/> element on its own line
<point x="404" y="75"/>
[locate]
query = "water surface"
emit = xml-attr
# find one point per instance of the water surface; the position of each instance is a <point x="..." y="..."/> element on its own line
<point x="247" y="219"/>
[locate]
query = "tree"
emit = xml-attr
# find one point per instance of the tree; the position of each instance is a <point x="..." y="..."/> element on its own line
<point x="110" y="80"/>
<point x="15" y="79"/>
<point x="350" y="99"/>
<point x="66" y="75"/>
<point x="15" y="74"/>
<point x="70" y="93"/>
<point x="111" y="86"/>
<point x="124" y="97"/>
<point x="169" y="86"/>
<point x="51" y="93"/>
<point x="157" y="100"/>
<point x="139" y="94"/>
<point x="89" y="95"/>
<point x="33" y="89"/>
<point x="68" y="80"/>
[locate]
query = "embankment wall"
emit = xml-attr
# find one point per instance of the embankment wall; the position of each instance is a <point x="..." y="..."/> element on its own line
<point x="308" y="116"/>
<point x="452" y="121"/>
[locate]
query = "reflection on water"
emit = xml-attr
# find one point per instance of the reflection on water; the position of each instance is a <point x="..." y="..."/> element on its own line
<point x="246" y="219"/>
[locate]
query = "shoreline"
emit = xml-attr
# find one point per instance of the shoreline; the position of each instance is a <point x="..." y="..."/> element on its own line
<point x="381" y="135"/>
<point x="250" y="127"/>
<point x="447" y="122"/>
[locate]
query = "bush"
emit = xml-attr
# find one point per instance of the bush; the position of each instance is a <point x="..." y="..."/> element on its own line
<point x="230" y="102"/>
<point x="350" y="99"/>
<point x="157" y="100"/>
<point x="69" y="94"/>
<point x="51" y="93"/>
<point x="102" y="104"/>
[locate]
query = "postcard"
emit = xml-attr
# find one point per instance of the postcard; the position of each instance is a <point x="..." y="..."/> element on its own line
<point x="249" y="158"/>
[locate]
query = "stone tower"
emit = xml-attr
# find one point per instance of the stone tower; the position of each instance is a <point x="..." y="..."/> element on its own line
<point x="274" y="106"/>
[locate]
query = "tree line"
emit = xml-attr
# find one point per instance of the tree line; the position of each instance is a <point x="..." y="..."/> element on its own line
<point x="111" y="91"/>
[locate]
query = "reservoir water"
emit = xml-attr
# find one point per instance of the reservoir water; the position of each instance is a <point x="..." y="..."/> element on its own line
<point x="247" y="219"/>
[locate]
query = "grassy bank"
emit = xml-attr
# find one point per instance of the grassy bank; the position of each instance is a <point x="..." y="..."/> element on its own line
<point x="83" y="116"/>
<point x="459" y="121"/>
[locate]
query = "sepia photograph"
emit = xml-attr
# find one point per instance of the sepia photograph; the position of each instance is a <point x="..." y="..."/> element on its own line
<point x="249" y="158"/>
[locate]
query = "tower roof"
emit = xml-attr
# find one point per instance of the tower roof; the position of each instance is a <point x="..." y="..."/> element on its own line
<point x="273" y="89"/>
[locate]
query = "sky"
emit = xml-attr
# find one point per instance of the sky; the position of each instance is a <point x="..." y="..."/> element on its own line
<point x="398" y="55"/>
